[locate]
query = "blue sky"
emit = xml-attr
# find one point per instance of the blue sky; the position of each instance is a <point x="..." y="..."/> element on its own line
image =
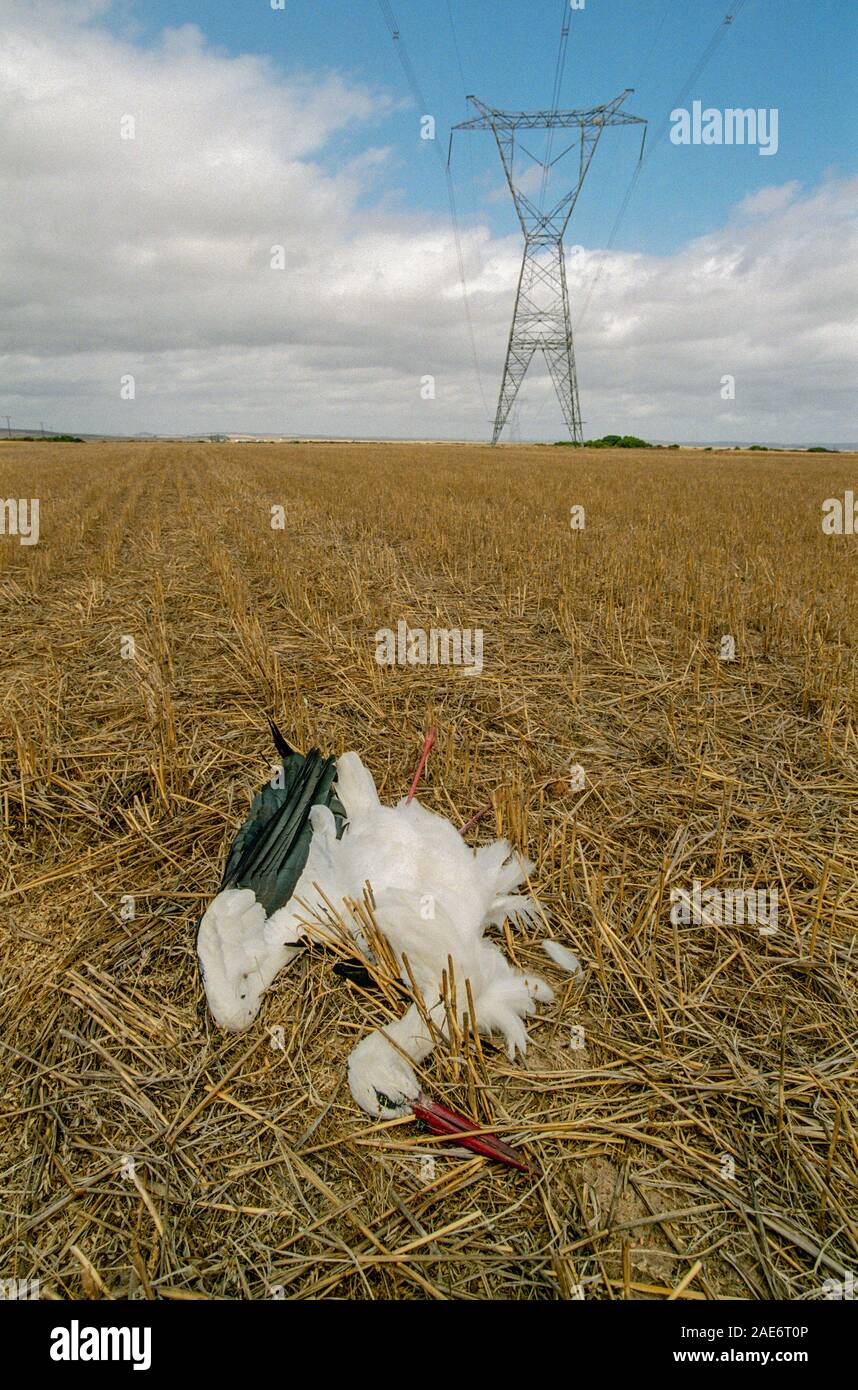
<point x="148" y="256"/>
<point x="791" y="54"/>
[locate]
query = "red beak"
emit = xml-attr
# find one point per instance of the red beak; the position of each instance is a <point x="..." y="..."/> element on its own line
<point x="440" y="1120"/>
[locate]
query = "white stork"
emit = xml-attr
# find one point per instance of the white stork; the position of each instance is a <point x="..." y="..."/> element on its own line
<point x="323" y="835"/>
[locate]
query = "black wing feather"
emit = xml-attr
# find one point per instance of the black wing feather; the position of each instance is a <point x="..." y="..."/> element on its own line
<point x="271" y="848"/>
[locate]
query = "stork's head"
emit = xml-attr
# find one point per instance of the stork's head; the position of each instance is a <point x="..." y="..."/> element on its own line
<point x="380" y="1079"/>
<point x="384" y="1085"/>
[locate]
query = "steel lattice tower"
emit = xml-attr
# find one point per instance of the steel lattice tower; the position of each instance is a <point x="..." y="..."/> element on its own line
<point x="541" y="319"/>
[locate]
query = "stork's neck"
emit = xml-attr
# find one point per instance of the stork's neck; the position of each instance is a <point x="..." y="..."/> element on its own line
<point x="411" y="1034"/>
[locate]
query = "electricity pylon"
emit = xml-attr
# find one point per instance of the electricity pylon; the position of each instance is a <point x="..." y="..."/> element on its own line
<point x="540" y="319"/>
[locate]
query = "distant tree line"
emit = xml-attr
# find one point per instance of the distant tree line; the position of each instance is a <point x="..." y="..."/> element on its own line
<point x="631" y="441"/>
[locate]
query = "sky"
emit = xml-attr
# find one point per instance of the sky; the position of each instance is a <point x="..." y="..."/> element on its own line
<point x="221" y="217"/>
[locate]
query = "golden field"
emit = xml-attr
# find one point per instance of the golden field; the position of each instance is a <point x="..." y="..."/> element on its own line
<point x="686" y="1104"/>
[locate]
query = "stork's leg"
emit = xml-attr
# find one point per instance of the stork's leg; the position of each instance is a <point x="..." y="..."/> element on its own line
<point x="427" y="745"/>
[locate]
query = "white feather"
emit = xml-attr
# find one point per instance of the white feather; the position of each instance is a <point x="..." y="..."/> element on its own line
<point x="562" y="956"/>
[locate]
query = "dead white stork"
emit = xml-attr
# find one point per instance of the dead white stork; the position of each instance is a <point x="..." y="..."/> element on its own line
<point x="323" y="835"/>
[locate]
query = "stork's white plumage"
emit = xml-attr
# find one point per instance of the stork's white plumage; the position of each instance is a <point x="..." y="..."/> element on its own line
<point x="434" y="898"/>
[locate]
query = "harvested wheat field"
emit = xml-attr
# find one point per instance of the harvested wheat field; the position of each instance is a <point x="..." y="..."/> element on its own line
<point x="685" y="1101"/>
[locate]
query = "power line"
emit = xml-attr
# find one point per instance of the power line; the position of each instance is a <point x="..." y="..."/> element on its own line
<point x="456" y="45"/>
<point x="402" y="54"/>
<point x="708" y="52"/>
<point x="561" y="54"/>
<point x="654" y="44"/>
<point x="411" y="78"/>
<point x="705" y="57"/>
<point x="465" y="293"/>
<point x="464" y="83"/>
<point x="559" y="69"/>
<point x="452" y="200"/>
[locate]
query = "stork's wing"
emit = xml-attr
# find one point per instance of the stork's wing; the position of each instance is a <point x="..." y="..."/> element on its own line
<point x="270" y="850"/>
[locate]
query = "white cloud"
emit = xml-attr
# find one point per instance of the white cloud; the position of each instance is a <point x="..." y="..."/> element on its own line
<point x="152" y="256"/>
<point x="773" y="302"/>
<point x="770" y="199"/>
